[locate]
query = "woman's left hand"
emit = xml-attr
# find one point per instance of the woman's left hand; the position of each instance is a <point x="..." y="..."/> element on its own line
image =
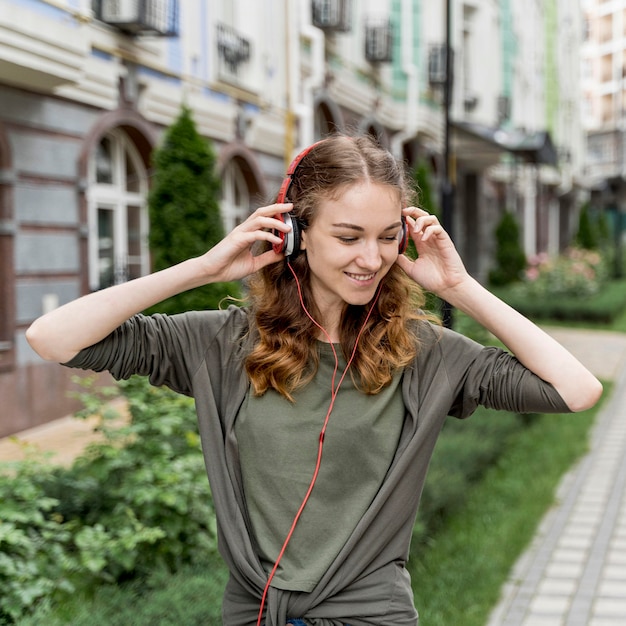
<point x="439" y="267"/>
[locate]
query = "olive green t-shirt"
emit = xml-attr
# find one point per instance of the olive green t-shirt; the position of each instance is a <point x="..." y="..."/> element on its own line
<point x="278" y="448"/>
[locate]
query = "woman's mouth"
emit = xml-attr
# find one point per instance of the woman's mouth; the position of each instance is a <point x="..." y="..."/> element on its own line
<point x="362" y="278"/>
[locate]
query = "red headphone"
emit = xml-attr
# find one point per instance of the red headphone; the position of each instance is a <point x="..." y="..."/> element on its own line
<point x="290" y="242"/>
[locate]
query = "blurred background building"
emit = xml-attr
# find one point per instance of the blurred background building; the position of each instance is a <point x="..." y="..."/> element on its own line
<point x="87" y="88"/>
<point x="603" y="57"/>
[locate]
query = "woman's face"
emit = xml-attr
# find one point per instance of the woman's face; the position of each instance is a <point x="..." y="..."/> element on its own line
<point x="351" y="244"/>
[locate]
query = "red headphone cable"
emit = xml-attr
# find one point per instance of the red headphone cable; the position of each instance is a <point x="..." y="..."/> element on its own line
<point x="333" y="397"/>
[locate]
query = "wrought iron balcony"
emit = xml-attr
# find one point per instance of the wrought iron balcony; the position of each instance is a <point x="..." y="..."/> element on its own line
<point x="233" y="49"/>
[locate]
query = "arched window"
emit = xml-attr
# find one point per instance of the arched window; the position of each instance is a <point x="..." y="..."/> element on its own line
<point x="118" y="220"/>
<point x="235" y="196"/>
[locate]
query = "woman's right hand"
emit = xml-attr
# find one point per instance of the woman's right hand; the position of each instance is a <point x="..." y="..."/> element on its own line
<point x="233" y="258"/>
<point x="60" y="334"/>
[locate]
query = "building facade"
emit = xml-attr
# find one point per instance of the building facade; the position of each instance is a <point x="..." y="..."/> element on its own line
<point x="604" y="111"/>
<point x="88" y="86"/>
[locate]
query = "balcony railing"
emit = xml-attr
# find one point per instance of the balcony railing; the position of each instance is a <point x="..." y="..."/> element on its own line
<point x="233" y="49"/>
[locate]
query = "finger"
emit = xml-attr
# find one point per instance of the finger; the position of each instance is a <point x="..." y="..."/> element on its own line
<point x="404" y="263"/>
<point x="414" y="211"/>
<point x="267" y="258"/>
<point x="273" y="209"/>
<point x="262" y="219"/>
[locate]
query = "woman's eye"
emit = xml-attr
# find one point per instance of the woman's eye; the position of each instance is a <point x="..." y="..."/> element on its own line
<point x="347" y="239"/>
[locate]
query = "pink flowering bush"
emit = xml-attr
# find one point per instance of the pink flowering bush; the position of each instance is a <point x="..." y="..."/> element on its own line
<point x="576" y="272"/>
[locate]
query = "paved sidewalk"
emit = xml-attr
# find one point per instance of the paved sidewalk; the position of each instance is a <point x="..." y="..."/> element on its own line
<point x="574" y="572"/>
<point x="63" y="439"/>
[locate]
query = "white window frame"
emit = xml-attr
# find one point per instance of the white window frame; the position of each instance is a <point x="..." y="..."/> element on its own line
<point x="234" y="184"/>
<point x="115" y="197"/>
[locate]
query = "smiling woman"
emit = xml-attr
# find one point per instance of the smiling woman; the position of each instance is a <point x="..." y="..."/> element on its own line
<point x="320" y="402"/>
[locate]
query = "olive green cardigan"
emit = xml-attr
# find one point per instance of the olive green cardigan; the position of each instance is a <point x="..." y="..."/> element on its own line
<point x="201" y="354"/>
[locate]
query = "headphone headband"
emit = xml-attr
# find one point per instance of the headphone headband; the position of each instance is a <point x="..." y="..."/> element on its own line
<point x="290" y="242"/>
<point x="284" y="187"/>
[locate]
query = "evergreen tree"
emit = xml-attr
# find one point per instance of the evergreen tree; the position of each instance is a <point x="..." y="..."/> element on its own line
<point x="510" y="257"/>
<point x="422" y="177"/>
<point x="185" y="219"/>
<point x="587" y="235"/>
<point x="422" y="184"/>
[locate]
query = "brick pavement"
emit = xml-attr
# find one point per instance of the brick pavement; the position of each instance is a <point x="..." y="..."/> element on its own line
<point x="574" y="572"/>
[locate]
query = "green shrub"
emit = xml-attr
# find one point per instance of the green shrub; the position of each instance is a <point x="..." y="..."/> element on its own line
<point x="510" y="258"/>
<point x="587" y="236"/>
<point x="149" y="474"/>
<point x="576" y="272"/>
<point x="602" y="307"/>
<point x="35" y="556"/>
<point x="422" y="177"/>
<point x="137" y="502"/>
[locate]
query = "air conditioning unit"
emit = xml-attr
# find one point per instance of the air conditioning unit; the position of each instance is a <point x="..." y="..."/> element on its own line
<point x="503" y="107"/>
<point x="378" y="42"/>
<point x="332" y="15"/>
<point x="470" y="101"/>
<point x="140" y="17"/>
<point x="437" y="64"/>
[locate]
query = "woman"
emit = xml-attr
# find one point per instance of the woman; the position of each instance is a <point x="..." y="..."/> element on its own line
<point x="320" y="403"/>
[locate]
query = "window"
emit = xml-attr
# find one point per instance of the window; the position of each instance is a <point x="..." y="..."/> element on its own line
<point x="235" y="196"/>
<point x="118" y="220"/>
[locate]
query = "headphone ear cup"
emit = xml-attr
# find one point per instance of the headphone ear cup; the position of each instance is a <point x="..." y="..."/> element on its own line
<point x="290" y="242"/>
<point x="295" y="234"/>
<point x="403" y="242"/>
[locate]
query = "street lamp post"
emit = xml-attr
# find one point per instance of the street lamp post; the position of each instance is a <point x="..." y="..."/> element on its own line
<point x="447" y="189"/>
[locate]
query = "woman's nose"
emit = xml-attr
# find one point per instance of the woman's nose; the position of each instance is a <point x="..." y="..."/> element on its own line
<point x="370" y="256"/>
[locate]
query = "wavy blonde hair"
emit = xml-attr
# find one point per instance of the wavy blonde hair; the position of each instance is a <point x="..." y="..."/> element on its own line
<point x="285" y="354"/>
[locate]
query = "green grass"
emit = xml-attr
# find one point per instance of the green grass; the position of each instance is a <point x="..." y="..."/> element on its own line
<point x="457" y="577"/>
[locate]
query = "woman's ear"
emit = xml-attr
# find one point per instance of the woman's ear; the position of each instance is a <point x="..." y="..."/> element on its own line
<point x="303" y="235"/>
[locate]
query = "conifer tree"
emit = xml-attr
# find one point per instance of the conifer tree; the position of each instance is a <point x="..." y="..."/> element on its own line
<point x="587" y="235"/>
<point x="185" y="218"/>
<point x="510" y="257"/>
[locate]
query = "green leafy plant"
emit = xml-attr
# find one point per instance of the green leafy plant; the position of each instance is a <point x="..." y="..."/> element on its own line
<point x="576" y="272"/>
<point x="146" y="475"/>
<point x="35" y="559"/>
<point x="136" y="502"/>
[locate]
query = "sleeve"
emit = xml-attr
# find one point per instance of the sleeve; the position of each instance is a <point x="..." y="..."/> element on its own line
<point x="167" y="349"/>
<point x="490" y="377"/>
<point x="497" y="380"/>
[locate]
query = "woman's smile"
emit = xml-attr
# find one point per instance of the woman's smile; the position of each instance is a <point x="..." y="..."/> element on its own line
<point x="361" y="278"/>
